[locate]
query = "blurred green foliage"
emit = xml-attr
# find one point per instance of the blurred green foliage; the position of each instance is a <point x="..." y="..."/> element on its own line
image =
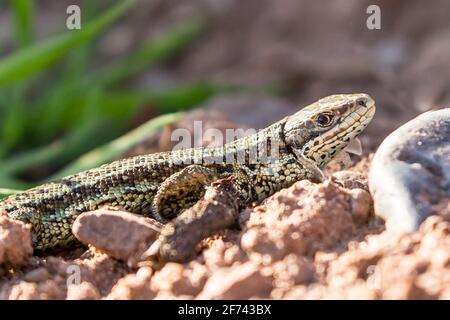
<point x="55" y="105"/>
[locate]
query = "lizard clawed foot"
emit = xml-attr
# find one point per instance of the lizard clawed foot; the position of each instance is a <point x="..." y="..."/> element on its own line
<point x="216" y="211"/>
<point x="181" y="190"/>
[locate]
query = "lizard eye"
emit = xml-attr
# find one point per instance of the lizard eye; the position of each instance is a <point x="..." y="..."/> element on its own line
<point x="324" y="119"/>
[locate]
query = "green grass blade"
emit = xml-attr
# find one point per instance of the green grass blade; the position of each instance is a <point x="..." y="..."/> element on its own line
<point x="7" y="192"/>
<point x="23" y="14"/>
<point x="84" y="133"/>
<point x="183" y="97"/>
<point x="12" y="183"/>
<point x="12" y="128"/>
<point x="78" y="140"/>
<point x="116" y="108"/>
<point x="51" y="108"/>
<point x="32" y="157"/>
<point x="100" y="155"/>
<point x="33" y="59"/>
<point x="166" y="100"/>
<point x="59" y="101"/>
<point x="114" y="149"/>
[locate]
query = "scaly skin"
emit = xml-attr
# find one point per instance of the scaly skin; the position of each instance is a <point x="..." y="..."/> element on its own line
<point x="161" y="185"/>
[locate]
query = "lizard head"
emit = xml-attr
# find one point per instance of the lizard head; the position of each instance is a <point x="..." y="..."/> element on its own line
<point x="319" y="131"/>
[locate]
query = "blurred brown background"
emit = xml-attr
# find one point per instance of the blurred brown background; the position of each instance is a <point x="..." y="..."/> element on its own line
<point x="304" y="49"/>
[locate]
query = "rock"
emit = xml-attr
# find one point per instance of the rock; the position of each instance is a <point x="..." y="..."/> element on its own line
<point x="292" y="270"/>
<point x="133" y="286"/>
<point x="82" y="291"/>
<point x="350" y="179"/>
<point x="217" y="210"/>
<point x="389" y="265"/>
<point x="302" y="219"/>
<point x="46" y="290"/>
<point x="242" y="281"/>
<point x="121" y="235"/>
<point x="221" y="254"/>
<point x="410" y="171"/>
<point x="100" y="270"/>
<point x="360" y="204"/>
<point x="37" y="275"/>
<point x="15" y="242"/>
<point x="175" y="279"/>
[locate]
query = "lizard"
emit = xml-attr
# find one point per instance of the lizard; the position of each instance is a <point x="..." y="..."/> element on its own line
<point x="162" y="185"/>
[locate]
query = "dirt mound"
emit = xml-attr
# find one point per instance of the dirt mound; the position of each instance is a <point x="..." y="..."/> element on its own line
<point x="15" y="243"/>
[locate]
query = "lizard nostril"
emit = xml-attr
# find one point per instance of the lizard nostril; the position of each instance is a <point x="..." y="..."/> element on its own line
<point x="362" y="103"/>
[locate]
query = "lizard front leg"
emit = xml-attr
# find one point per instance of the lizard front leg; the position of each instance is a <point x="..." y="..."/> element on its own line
<point x="218" y="210"/>
<point x="181" y="190"/>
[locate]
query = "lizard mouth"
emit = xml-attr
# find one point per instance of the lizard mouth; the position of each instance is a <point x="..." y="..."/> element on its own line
<point x="358" y="119"/>
<point x="351" y="124"/>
